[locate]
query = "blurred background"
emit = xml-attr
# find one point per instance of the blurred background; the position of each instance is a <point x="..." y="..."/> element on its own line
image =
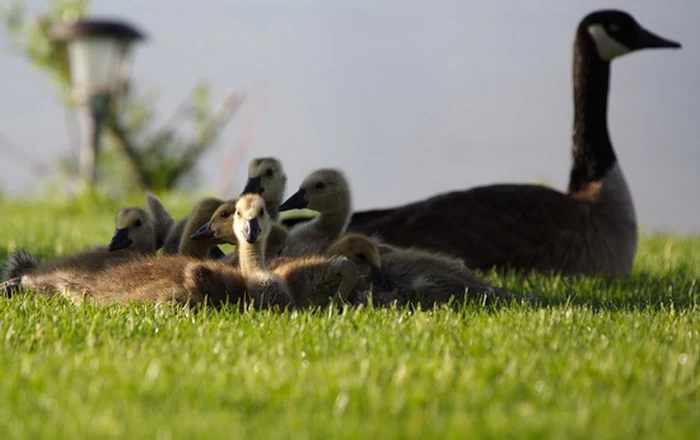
<point x="409" y="98"/>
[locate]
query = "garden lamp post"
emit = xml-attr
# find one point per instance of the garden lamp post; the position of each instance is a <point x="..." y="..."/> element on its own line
<point x="99" y="60"/>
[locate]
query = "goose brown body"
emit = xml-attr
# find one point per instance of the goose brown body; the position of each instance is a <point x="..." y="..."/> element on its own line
<point x="590" y="229"/>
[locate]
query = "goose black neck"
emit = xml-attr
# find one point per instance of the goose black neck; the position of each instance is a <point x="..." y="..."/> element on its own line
<point x="593" y="154"/>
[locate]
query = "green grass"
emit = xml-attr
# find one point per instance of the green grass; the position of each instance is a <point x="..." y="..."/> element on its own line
<point x="599" y="358"/>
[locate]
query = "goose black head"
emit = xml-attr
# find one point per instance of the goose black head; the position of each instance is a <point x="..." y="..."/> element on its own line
<point x="615" y="33"/>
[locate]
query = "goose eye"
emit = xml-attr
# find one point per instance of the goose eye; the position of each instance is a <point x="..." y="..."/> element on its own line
<point x="137" y="223"/>
<point x="269" y="172"/>
<point x="320" y="185"/>
<point x="361" y="256"/>
<point x="225" y="214"/>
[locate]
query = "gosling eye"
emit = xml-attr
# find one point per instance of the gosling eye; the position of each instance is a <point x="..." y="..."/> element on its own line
<point x="269" y="172"/>
<point x="238" y="213"/>
<point x="262" y="212"/>
<point x="320" y="185"/>
<point x="137" y="223"/>
<point x="361" y="256"/>
<point x="225" y="214"/>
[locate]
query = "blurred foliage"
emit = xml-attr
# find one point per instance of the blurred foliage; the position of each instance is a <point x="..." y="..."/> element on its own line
<point x="133" y="154"/>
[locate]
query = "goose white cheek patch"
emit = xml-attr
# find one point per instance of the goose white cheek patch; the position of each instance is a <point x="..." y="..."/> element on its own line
<point x="608" y="47"/>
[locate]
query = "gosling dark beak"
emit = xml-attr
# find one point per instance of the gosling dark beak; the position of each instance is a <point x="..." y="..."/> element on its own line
<point x="649" y="40"/>
<point x="120" y="240"/>
<point x="251" y="230"/>
<point x="296" y="201"/>
<point x="204" y="231"/>
<point x="253" y="186"/>
<point x="379" y="279"/>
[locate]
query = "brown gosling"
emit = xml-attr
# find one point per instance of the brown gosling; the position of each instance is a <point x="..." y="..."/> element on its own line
<point x="171" y="246"/>
<point x="171" y="280"/>
<point x="206" y="247"/>
<point x="327" y="192"/>
<point x="179" y="279"/>
<point x="141" y="230"/>
<point x="267" y="178"/>
<point x="366" y="255"/>
<point x="416" y="276"/>
<point x="317" y="280"/>
<point x="251" y="225"/>
<point x="220" y="227"/>
<point x="136" y="234"/>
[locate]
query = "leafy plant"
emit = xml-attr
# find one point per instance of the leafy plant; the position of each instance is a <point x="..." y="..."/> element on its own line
<point x="134" y="154"/>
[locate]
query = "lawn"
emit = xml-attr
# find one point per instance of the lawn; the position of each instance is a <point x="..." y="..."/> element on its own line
<point x="598" y="358"/>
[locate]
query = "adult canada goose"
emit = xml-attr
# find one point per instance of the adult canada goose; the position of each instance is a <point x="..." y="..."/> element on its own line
<point x="590" y="229"/>
<point x="327" y="192"/>
<point x="251" y="224"/>
<point x="138" y="230"/>
<point x="267" y="178"/>
<point x="414" y="276"/>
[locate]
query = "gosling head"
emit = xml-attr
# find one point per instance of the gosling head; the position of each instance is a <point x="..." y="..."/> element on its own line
<point x="220" y="225"/>
<point x="362" y="251"/>
<point x="251" y="222"/>
<point x="266" y="177"/>
<point x="615" y="33"/>
<point x="134" y="229"/>
<point x="324" y="190"/>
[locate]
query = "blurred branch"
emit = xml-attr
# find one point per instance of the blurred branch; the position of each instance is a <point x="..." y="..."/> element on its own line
<point x="211" y="130"/>
<point x="122" y="138"/>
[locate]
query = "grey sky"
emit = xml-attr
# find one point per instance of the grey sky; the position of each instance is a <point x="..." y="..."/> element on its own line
<point x="410" y="98"/>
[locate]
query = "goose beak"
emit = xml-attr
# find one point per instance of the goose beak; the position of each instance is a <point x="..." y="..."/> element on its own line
<point x="204" y="231"/>
<point x="649" y="40"/>
<point x="379" y="279"/>
<point x="120" y="240"/>
<point x="253" y="186"/>
<point x="296" y="201"/>
<point x="251" y="230"/>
